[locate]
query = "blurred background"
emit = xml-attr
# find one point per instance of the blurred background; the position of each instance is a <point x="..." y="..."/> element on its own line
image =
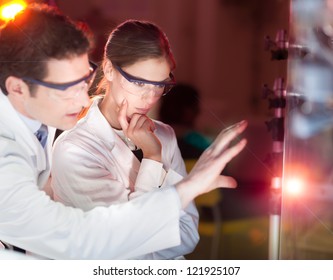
<point x="219" y="46"/>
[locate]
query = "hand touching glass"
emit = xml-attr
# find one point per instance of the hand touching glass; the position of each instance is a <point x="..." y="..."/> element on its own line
<point x="206" y="173"/>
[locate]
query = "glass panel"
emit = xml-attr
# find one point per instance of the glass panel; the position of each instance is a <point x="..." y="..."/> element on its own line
<point x="307" y="189"/>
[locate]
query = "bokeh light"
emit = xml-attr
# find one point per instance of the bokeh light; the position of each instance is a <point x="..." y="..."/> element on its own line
<point x="294" y="185"/>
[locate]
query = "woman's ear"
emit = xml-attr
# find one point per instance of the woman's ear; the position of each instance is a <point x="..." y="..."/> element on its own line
<point x="108" y="70"/>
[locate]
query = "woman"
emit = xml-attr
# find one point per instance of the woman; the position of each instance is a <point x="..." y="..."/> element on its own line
<point x="98" y="163"/>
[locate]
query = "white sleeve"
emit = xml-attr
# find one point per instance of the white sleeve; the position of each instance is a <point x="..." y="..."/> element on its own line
<point x="29" y="219"/>
<point x="158" y="177"/>
<point x="150" y="176"/>
<point x="189" y="217"/>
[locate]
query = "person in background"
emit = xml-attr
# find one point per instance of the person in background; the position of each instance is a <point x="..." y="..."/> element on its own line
<point x="181" y="109"/>
<point x="44" y="78"/>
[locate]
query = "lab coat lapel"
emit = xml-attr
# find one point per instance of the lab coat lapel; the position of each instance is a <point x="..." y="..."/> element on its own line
<point x="127" y="160"/>
<point x="122" y="156"/>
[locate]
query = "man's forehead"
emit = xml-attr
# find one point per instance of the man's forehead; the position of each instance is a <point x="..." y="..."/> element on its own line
<point x="67" y="69"/>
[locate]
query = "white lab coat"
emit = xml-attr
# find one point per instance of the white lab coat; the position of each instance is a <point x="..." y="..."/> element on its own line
<point x="29" y="219"/>
<point x="92" y="166"/>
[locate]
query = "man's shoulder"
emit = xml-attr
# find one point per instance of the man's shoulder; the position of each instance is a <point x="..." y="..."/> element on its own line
<point x="7" y="130"/>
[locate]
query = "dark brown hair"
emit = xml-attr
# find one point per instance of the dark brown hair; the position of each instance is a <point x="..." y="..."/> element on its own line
<point x="37" y="34"/>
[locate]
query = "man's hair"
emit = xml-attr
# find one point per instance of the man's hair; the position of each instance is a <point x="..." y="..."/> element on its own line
<point x="36" y="35"/>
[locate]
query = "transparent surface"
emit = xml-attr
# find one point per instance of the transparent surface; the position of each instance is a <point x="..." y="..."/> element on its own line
<point x="307" y="189"/>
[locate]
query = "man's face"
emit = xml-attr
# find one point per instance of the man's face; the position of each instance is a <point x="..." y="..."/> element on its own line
<point x="55" y="107"/>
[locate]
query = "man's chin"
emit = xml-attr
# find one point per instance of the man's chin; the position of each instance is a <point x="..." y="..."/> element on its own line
<point x="66" y="126"/>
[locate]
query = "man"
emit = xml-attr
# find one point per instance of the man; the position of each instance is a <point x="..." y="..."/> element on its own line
<point x="44" y="78"/>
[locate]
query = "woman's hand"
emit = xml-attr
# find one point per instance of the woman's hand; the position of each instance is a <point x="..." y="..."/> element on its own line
<point x="206" y="173"/>
<point x="140" y="130"/>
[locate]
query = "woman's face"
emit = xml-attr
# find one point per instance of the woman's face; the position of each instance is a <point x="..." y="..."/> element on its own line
<point x="141" y="97"/>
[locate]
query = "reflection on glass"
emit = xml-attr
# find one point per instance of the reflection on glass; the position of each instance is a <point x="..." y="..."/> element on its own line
<point x="307" y="193"/>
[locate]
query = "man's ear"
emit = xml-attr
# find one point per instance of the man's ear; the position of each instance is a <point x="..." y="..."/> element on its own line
<point x="16" y="87"/>
<point x="108" y="70"/>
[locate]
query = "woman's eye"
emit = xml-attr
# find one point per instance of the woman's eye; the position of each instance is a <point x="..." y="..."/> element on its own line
<point x="161" y="86"/>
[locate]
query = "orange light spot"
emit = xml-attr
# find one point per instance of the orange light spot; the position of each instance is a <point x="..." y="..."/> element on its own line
<point x="10" y="10"/>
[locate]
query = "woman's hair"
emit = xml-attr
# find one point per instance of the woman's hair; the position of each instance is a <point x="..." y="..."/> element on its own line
<point x="134" y="41"/>
<point x="36" y="35"/>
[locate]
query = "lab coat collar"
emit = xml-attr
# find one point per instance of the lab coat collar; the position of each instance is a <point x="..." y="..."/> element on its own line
<point x="99" y="125"/>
